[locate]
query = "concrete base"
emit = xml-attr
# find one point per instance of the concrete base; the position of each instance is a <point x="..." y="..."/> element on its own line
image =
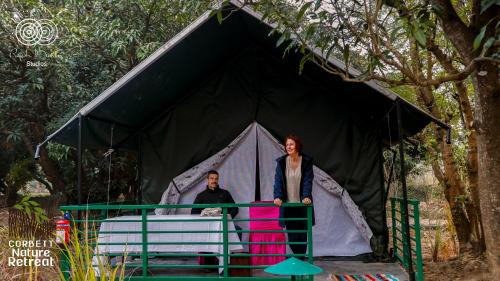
<point x="358" y="267"/>
<point x="329" y="267"/>
<point x="352" y="267"/>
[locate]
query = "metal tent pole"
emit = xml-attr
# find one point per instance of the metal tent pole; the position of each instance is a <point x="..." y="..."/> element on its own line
<point x="79" y="161"/>
<point x="384" y="194"/>
<point x="257" y="168"/>
<point x="405" y="193"/>
<point x="139" y="172"/>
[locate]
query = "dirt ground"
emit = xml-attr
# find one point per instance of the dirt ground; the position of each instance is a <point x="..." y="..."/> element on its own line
<point x="449" y="265"/>
<point x="466" y="267"/>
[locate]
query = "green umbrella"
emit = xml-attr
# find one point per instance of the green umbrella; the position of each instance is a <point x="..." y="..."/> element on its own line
<point x="294" y="267"/>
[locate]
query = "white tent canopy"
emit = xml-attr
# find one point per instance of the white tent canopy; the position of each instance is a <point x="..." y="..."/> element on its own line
<point x="340" y="228"/>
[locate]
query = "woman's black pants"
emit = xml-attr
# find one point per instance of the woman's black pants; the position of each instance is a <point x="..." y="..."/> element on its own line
<point x="297" y="212"/>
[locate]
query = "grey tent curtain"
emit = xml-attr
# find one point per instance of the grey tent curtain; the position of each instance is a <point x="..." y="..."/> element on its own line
<point x="340" y="230"/>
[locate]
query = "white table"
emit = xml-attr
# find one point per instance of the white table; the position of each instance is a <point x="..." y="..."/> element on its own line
<point x="118" y="224"/>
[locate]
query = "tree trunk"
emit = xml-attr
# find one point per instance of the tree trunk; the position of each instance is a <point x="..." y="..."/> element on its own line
<point x="455" y="192"/>
<point x="52" y="172"/>
<point x="488" y="139"/>
<point x="50" y="168"/>
<point x="471" y="158"/>
<point x="454" y="189"/>
<point x="487" y="118"/>
<point x="11" y="195"/>
<point x="473" y="208"/>
<point x="458" y="212"/>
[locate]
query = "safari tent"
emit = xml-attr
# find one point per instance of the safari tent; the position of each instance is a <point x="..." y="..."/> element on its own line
<point x="223" y="96"/>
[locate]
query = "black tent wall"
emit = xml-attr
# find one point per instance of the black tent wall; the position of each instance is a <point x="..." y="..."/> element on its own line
<point x="340" y="134"/>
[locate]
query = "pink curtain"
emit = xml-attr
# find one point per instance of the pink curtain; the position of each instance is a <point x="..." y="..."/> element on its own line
<point x="260" y="213"/>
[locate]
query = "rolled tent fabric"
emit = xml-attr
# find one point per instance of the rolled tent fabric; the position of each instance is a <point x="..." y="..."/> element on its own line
<point x="341" y="229"/>
<point x="236" y="181"/>
<point x="236" y="167"/>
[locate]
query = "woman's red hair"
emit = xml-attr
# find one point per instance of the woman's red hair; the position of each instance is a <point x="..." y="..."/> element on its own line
<point x="298" y="142"/>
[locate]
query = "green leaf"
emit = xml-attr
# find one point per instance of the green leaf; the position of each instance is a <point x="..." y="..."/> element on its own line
<point x="288" y="48"/>
<point x="302" y="10"/>
<point x="310" y="31"/>
<point x="419" y="35"/>
<point x="281" y="40"/>
<point x="34" y="203"/>
<point x="28" y="211"/>
<point x="346" y="54"/>
<point x="485" y="4"/>
<point x="219" y="16"/>
<point x="265" y="16"/>
<point x="489" y="43"/>
<point x="394" y="33"/>
<point x="479" y="38"/>
<point x="303" y="62"/>
<point x="330" y="51"/>
<point x="317" y="5"/>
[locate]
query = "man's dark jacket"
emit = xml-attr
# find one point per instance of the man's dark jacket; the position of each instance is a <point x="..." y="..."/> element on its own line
<point x="306" y="181"/>
<point x="216" y="196"/>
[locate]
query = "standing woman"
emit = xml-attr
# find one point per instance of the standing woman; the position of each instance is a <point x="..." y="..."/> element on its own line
<point x="293" y="184"/>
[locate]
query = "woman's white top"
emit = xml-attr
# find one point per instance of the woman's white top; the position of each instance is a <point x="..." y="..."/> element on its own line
<point x="293" y="180"/>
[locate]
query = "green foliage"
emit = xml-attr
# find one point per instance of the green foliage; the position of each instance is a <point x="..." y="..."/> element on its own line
<point x="98" y="42"/>
<point x="489" y="42"/>
<point x="486" y="4"/>
<point x="10" y="153"/>
<point x="20" y="173"/>
<point x="479" y="38"/>
<point x="32" y="209"/>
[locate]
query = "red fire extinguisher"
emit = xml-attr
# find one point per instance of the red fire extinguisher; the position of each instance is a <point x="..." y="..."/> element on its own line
<point x="62" y="231"/>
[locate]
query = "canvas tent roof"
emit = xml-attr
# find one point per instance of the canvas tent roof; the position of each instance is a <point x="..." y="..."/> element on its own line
<point x="153" y="87"/>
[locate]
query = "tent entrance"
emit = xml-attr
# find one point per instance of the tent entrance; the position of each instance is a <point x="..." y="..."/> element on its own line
<point x="340" y="228"/>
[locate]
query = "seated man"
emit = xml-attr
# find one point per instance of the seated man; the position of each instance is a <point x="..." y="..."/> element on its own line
<point x="213" y="194"/>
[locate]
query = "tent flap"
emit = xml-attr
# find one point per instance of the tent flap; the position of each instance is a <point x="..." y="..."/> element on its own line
<point x="341" y="229"/>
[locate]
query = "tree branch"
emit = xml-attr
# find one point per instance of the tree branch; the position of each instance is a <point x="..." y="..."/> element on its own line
<point x="455" y="29"/>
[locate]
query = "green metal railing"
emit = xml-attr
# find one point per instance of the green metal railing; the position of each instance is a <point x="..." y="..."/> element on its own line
<point x="401" y="243"/>
<point x="99" y="213"/>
